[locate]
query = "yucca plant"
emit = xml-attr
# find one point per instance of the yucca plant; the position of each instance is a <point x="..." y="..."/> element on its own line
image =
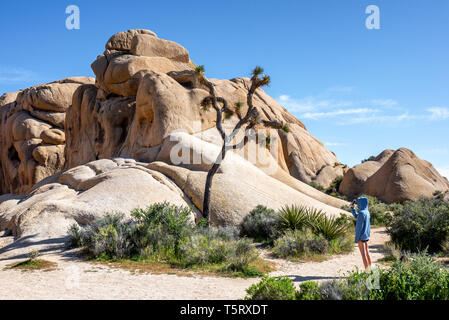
<point x="328" y="227"/>
<point x="300" y="217"/>
<point x="293" y="217"/>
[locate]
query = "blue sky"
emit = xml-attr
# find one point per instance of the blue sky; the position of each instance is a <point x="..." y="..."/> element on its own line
<point x="359" y="91"/>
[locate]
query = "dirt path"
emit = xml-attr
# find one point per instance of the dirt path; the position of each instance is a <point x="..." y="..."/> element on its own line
<point x="74" y="279"/>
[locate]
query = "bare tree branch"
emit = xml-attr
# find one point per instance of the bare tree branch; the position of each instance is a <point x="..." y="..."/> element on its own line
<point x="252" y="118"/>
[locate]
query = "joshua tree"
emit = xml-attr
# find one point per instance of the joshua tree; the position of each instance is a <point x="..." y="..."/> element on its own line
<point x="248" y="122"/>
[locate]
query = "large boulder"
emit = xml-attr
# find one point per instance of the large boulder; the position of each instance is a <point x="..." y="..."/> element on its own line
<point x="129" y="55"/>
<point x="85" y="193"/>
<point x="31" y="133"/>
<point x="394" y="176"/>
<point x="353" y="183"/>
<point x="405" y="177"/>
<point x="122" y="41"/>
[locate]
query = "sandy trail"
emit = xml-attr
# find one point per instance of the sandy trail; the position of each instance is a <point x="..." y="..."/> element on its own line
<point x="75" y="279"/>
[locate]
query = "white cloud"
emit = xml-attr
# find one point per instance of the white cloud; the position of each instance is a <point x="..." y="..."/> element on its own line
<point x="444" y="171"/>
<point x="334" y="144"/>
<point x="310" y="103"/>
<point x="8" y="74"/>
<point x="340" y="112"/>
<point x="438" y="113"/>
<point x="378" y="111"/>
<point x="379" y="118"/>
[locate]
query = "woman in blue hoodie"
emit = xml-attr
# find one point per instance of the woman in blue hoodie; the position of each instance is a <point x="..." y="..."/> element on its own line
<point x="362" y="229"/>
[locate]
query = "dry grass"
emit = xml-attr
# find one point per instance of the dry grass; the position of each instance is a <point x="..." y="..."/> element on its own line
<point x="155" y="267"/>
<point x="33" y="265"/>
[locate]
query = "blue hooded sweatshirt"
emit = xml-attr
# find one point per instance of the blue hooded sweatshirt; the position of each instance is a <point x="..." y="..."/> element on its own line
<point x="362" y="227"/>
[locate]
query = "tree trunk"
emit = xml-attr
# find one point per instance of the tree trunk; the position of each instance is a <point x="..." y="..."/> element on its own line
<point x="210" y="175"/>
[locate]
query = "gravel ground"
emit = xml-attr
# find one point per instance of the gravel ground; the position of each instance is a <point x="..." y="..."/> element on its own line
<point x="76" y="279"/>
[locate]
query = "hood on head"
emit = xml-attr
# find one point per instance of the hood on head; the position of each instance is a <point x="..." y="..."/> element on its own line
<point x="362" y="203"/>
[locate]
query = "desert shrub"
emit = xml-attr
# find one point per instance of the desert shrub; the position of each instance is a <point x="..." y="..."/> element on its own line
<point x="271" y="288"/>
<point x="198" y="249"/>
<point x="419" y="277"/>
<point x="174" y="219"/>
<point x="381" y="213"/>
<point x="227" y="233"/>
<point x="317" y="186"/>
<point x="342" y="244"/>
<point x="109" y="237"/>
<point x="415" y="277"/>
<point x="162" y="232"/>
<point x="335" y="185"/>
<point x="308" y="290"/>
<point x="297" y="243"/>
<point x="371" y="158"/>
<point x="242" y="255"/>
<point x="75" y="238"/>
<point x="333" y="188"/>
<point x="420" y="225"/>
<point x="348" y="221"/>
<point x="34" y="254"/>
<point x="261" y="224"/>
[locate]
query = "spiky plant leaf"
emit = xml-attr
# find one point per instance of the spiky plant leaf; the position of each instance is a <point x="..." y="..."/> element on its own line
<point x="200" y="69"/>
<point x="293" y="217"/>
<point x="257" y="71"/>
<point x="265" y="80"/>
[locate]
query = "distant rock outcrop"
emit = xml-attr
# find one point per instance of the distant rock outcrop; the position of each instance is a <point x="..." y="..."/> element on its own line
<point x="394" y="176"/>
<point x="32" y="137"/>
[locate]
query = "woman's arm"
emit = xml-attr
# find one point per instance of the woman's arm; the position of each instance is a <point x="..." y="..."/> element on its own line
<point x="354" y="213"/>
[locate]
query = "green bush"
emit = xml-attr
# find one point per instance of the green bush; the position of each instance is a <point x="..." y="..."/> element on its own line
<point x="415" y="277"/>
<point x="381" y="213"/>
<point x="271" y="288"/>
<point x="261" y="224"/>
<point x="333" y="188"/>
<point x="297" y="243"/>
<point x="200" y="249"/>
<point x="371" y="158"/>
<point x="308" y="290"/>
<point x="420" y="225"/>
<point x="109" y="237"/>
<point x="418" y="278"/>
<point x="75" y="239"/>
<point x="162" y="232"/>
